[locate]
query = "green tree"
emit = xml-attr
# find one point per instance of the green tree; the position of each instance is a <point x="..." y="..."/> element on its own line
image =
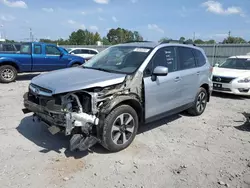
<point x="105" y="41"/>
<point x="189" y="41"/>
<point x="210" y="41"/>
<point x="164" y="39"/>
<point x="199" y="41"/>
<point x="84" y="37"/>
<point x="137" y="36"/>
<point x="233" y="40"/>
<point x="121" y="35"/>
<point x="182" y="39"/>
<point x="10" y="41"/>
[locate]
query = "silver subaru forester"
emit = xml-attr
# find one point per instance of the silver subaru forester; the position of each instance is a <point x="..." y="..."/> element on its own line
<point x="121" y="88"/>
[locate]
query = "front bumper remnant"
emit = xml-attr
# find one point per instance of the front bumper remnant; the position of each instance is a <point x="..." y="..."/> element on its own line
<point x="65" y="121"/>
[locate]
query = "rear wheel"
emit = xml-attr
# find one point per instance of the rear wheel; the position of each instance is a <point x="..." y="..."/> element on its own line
<point x="200" y="103"/>
<point x="120" y="128"/>
<point x="8" y="74"/>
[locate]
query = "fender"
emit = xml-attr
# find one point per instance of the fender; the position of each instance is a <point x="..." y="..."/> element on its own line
<point x="10" y="60"/>
<point x="130" y="99"/>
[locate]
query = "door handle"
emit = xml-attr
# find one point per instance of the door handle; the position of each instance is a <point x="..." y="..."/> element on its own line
<point x="177" y="79"/>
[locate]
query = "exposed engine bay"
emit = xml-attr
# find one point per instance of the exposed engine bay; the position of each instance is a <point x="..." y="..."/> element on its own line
<point x="80" y="113"/>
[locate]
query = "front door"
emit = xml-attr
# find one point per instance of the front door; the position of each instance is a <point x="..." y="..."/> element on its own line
<point x="53" y="58"/>
<point x="163" y="94"/>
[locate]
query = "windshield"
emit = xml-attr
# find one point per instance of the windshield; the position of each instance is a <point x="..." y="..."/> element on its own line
<point x="69" y="49"/>
<point x="120" y="59"/>
<point x="64" y="50"/>
<point x="236" y="63"/>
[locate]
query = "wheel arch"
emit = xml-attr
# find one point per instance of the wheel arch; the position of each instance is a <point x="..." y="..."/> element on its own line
<point x="10" y="63"/>
<point x="206" y="87"/>
<point x="127" y="100"/>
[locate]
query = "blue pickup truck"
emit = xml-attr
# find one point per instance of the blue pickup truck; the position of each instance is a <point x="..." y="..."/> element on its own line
<point x="35" y="57"/>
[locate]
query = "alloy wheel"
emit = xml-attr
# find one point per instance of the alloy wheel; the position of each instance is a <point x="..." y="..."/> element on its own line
<point x="122" y="129"/>
<point x="7" y="74"/>
<point x="201" y="102"/>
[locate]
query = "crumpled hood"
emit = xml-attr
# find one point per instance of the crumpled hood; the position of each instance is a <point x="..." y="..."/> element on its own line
<point x="230" y="72"/>
<point x="73" y="79"/>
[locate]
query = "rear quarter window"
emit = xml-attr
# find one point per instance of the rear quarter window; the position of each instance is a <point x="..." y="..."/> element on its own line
<point x="93" y="52"/>
<point x="199" y="57"/>
<point x="8" y="47"/>
<point x="186" y="58"/>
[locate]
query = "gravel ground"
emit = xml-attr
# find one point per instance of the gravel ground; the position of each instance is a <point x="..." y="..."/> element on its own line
<point x="212" y="150"/>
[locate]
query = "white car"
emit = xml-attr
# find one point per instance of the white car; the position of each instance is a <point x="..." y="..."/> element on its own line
<point x="86" y="53"/>
<point x="233" y="76"/>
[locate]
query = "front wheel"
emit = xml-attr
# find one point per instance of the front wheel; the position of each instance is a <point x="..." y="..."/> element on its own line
<point x="200" y="103"/>
<point x="8" y="73"/>
<point x="75" y="65"/>
<point x="120" y="128"/>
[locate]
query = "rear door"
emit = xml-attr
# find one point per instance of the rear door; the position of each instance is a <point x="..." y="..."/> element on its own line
<point x="189" y="74"/>
<point x="164" y="94"/>
<point x="39" y="63"/>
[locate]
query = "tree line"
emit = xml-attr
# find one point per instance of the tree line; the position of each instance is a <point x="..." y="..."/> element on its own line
<point x="85" y="37"/>
<point x="121" y="35"/>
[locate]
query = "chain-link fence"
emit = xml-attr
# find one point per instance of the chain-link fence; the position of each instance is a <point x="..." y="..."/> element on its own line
<point x="216" y="53"/>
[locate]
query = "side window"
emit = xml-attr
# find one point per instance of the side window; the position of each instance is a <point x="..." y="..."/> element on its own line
<point x="8" y="47"/>
<point x="52" y="50"/>
<point x="76" y="51"/>
<point x="25" y="49"/>
<point x="93" y="52"/>
<point x="85" y="51"/>
<point x="37" y="49"/>
<point x="187" y="60"/>
<point x="163" y="57"/>
<point x="200" y="59"/>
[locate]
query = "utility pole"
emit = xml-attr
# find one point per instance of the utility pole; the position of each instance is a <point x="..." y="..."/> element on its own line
<point x="1" y="31"/>
<point x="229" y="34"/>
<point x="31" y="35"/>
<point x="194" y="37"/>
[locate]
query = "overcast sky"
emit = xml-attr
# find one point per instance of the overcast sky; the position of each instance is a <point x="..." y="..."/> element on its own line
<point x="154" y="19"/>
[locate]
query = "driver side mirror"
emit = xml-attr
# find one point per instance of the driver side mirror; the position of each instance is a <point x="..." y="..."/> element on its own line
<point x="72" y="53"/>
<point x="159" y="71"/>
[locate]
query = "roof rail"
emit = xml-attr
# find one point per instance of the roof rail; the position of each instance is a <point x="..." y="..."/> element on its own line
<point x="177" y="41"/>
<point x="136" y="41"/>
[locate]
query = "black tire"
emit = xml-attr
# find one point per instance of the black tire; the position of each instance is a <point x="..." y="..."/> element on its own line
<point x="75" y="65"/>
<point x="108" y="136"/>
<point x="7" y="69"/>
<point x="195" y="110"/>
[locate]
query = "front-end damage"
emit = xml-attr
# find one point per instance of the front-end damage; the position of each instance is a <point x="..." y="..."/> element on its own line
<point x="81" y="113"/>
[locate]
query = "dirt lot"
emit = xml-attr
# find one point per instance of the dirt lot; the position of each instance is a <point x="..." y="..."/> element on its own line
<point x="212" y="150"/>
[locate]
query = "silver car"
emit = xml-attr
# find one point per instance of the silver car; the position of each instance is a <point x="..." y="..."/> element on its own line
<point x="121" y="88"/>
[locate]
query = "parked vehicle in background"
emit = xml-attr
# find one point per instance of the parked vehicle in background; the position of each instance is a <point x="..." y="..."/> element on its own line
<point x="86" y="53"/>
<point x="106" y="99"/>
<point x="8" y="48"/>
<point x="233" y="76"/>
<point x="35" y="57"/>
<point x="63" y="49"/>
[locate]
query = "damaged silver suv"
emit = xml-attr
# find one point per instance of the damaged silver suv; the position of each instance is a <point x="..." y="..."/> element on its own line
<point x="125" y="86"/>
